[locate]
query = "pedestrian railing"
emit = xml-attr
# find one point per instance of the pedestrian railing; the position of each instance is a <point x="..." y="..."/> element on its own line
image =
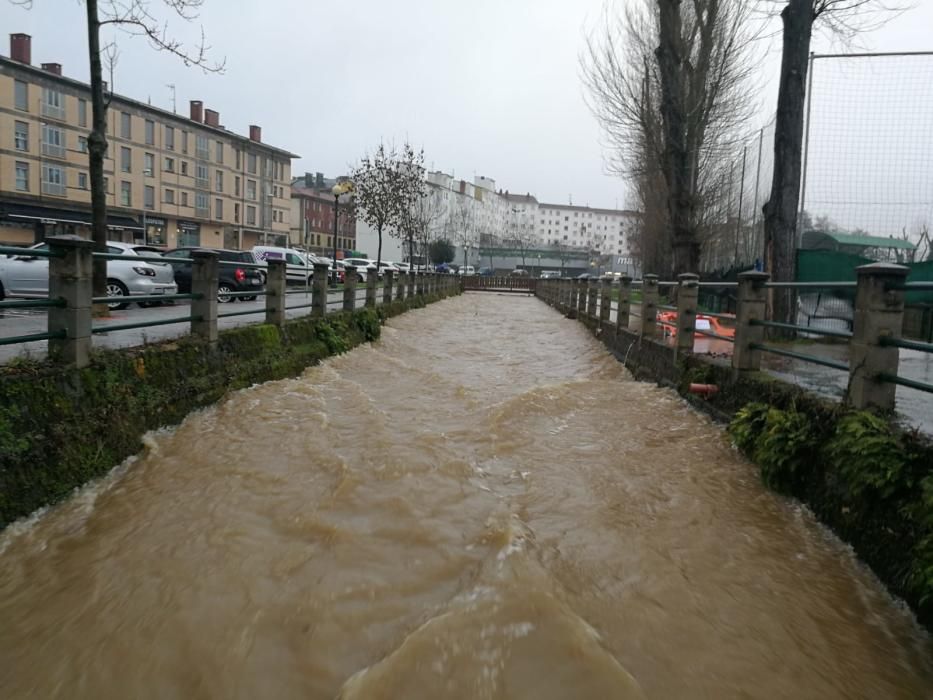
<point x="874" y="343"/>
<point x="70" y="327"/>
<point x="481" y="283"/>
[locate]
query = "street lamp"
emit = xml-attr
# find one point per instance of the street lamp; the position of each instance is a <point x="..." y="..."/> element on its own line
<point x="466" y="249"/>
<point x="539" y="264"/>
<point x="340" y="188"/>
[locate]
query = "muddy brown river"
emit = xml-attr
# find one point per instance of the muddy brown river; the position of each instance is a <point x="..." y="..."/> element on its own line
<point x="481" y="505"/>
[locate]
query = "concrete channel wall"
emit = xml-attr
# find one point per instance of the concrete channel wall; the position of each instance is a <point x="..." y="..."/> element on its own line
<point x="863" y="475"/>
<point x="62" y="425"/>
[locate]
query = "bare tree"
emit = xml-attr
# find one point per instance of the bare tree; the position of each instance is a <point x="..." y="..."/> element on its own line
<point x="421" y="223"/>
<point x="670" y="83"/>
<point x="844" y="18"/>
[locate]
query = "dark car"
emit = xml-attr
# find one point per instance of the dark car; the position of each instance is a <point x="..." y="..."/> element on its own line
<point x="234" y="279"/>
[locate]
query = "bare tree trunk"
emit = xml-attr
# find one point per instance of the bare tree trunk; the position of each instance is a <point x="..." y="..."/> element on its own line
<point x="379" y="251"/>
<point x="780" y="211"/>
<point x="676" y="161"/>
<point x="97" y="151"/>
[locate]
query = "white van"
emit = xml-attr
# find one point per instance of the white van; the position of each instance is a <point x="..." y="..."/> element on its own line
<point x="298" y="269"/>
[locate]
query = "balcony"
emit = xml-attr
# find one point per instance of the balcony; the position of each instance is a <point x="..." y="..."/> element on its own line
<point x="53" y="111"/>
<point x="55" y="150"/>
<point x="54" y="188"/>
<point x="202" y="183"/>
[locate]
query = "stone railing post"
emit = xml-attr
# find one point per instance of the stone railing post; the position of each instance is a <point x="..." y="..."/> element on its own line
<point x="419" y="287"/>
<point x="687" y="296"/>
<point x="751" y="301"/>
<point x="349" y="289"/>
<point x="400" y="290"/>
<point x="625" y="302"/>
<point x="879" y="315"/>
<point x="411" y="284"/>
<point x="319" y="289"/>
<point x="649" y="306"/>
<point x="205" y="278"/>
<point x="605" y="302"/>
<point x="387" y="285"/>
<point x="275" y="291"/>
<point x="591" y="296"/>
<point x="572" y="289"/>
<point x="371" y="279"/>
<point x="70" y="277"/>
<point x="581" y="298"/>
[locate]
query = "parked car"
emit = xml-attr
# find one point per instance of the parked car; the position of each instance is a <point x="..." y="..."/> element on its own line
<point x="703" y="325"/>
<point x="517" y="272"/>
<point x="233" y="280"/>
<point x="28" y="276"/>
<point x="298" y="269"/>
<point x="550" y="274"/>
<point x="487" y="272"/>
<point x="388" y="265"/>
<point x="333" y="268"/>
<point x="466" y="270"/>
<point x="362" y="266"/>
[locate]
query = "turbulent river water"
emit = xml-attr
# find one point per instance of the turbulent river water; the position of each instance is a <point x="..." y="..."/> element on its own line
<point x="483" y="504"/>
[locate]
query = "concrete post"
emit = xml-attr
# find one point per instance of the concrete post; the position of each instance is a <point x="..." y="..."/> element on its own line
<point x="592" y="296"/>
<point x="687" y="294"/>
<point x="879" y="315"/>
<point x="70" y="280"/>
<point x="371" y="280"/>
<point x="349" y="291"/>
<point x="581" y="298"/>
<point x="649" y="306"/>
<point x="402" y="282"/>
<point x="625" y="302"/>
<point x="275" y="291"/>
<point x="751" y="301"/>
<point x="319" y="290"/>
<point x="205" y="277"/>
<point x="605" y="303"/>
<point x="566" y="292"/>
<point x="572" y="290"/>
<point x="411" y="284"/>
<point x="420" y="285"/>
<point x="387" y="285"/>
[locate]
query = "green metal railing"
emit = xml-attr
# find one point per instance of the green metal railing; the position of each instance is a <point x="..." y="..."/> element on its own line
<point x="30" y="338"/>
<point x="113" y="327"/>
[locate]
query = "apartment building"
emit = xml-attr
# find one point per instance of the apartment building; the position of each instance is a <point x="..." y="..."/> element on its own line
<point x="171" y="180"/>
<point x="605" y="230"/>
<point x="312" y="217"/>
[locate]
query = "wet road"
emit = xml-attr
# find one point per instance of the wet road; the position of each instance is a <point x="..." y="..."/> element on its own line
<point x="483" y="504"/>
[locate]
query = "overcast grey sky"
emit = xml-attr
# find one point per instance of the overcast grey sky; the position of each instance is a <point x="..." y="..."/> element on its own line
<point x="487" y="87"/>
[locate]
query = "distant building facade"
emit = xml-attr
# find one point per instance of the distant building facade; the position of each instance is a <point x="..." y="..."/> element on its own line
<point x="312" y="217"/>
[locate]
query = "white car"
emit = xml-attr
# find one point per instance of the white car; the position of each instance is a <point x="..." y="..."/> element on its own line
<point x="363" y="267"/>
<point x="298" y="268"/>
<point x="388" y="265"/>
<point x="467" y="270"/>
<point x="28" y="276"/>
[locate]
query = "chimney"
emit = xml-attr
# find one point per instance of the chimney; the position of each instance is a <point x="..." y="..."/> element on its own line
<point x="309" y="180"/>
<point x="462" y="187"/>
<point x="197" y="111"/>
<point x="319" y="180"/>
<point x="21" y="48"/>
<point x="55" y="68"/>
<point x="255" y="133"/>
<point x="211" y="118"/>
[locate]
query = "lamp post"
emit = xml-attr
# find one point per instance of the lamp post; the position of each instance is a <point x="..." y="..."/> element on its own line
<point x="539" y="264"/>
<point x="340" y="188"/>
<point x="466" y="249"/>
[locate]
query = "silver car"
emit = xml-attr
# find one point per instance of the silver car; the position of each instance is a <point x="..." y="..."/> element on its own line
<point x="28" y="276"/>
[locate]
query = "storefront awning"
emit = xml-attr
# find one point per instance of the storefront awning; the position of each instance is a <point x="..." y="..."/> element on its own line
<point x="29" y="212"/>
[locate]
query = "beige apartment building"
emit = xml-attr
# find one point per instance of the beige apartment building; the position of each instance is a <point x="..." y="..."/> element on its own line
<point x="171" y="180"/>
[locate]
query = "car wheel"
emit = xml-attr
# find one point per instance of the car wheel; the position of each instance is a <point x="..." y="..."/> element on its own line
<point x="224" y="293"/>
<point x="360" y="278"/>
<point x="148" y="304"/>
<point x="116" y="288"/>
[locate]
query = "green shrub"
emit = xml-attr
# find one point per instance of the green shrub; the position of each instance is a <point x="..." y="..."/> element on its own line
<point x="747" y="426"/>
<point x="869" y="456"/>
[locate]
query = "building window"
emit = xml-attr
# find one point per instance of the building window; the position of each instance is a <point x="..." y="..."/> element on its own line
<point x="126" y="159"/>
<point x="184" y="141"/>
<point x="22" y="176"/>
<point x="21" y="91"/>
<point x="236" y="213"/>
<point x="170" y="165"/>
<point x="251" y="190"/>
<point x="200" y="177"/>
<point x="149" y="197"/>
<point x="169" y="138"/>
<point x="169" y="196"/>
<point x="126" y="125"/>
<point x="218" y="209"/>
<point x="21" y="136"/>
<point x="236" y="186"/>
<point x="82" y="144"/>
<point x="219" y="180"/>
<point x="237" y="151"/>
<point x="53" y="104"/>
<point x="53" y="180"/>
<point x="201" y="205"/>
<point x="53" y="141"/>
<point x="126" y="194"/>
<point x="150" y="132"/>
<point x="82" y="112"/>
<point x="251" y="163"/>
<point x="82" y="181"/>
<point x="250" y="216"/>
<point x="184" y="199"/>
<point x="148" y="164"/>
<point x="184" y="167"/>
<point x="200" y="147"/>
<point x="220" y="152"/>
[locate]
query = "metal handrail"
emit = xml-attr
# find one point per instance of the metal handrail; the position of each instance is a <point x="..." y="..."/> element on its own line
<point x="30" y="252"/>
<point x="299" y="306"/>
<point x="833" y="364"/>
<point x="725" y="285"/>
<point x="904" y="381"/>
<point x="158" y="260"/>
<point x="144" y="324"/>
<point x="811" y="285"/>
<point x="803" y="329"/>
<point x="710" y="334"/>
<point x="16" y="339"/>
<point x="32" y="303"/>
<point x="906" y="344"/>
<point x="146" y="297"/>
<point x="248" y="312"/>
<point x="911" y="287"/>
